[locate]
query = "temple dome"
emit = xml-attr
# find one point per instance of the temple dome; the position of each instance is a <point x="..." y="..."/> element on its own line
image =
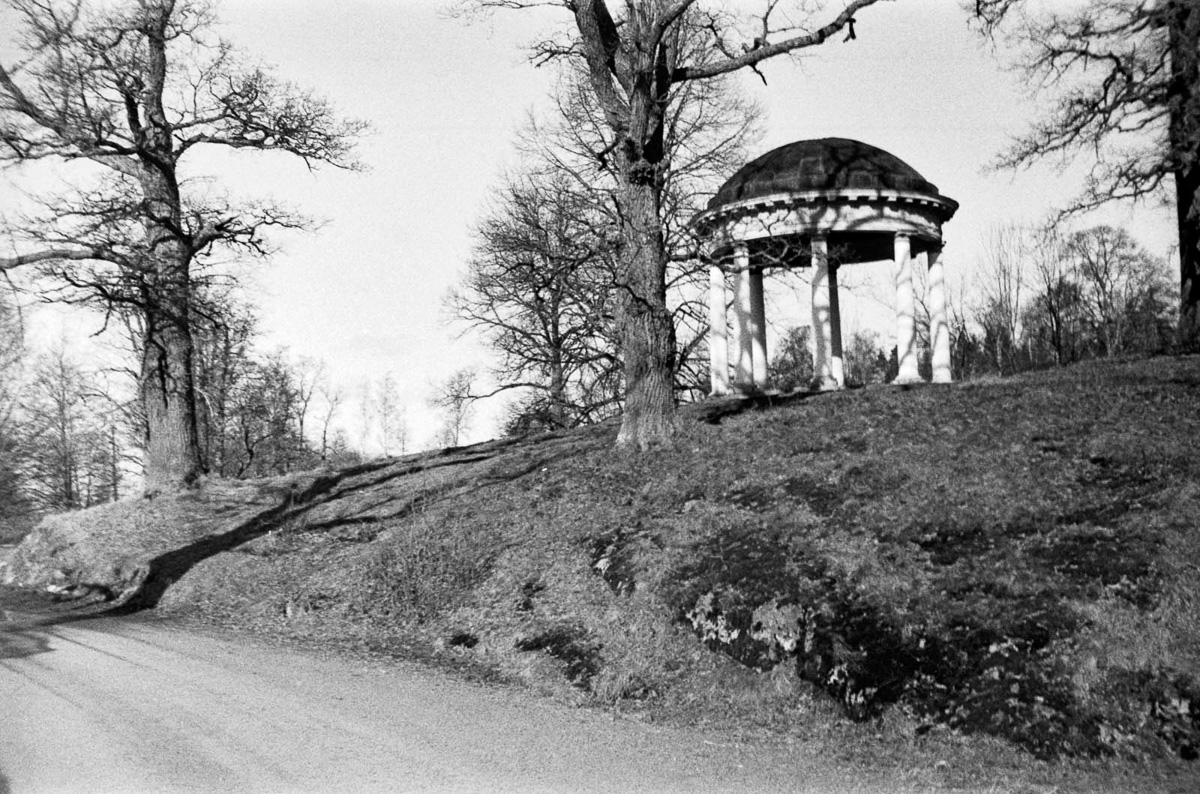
<point x="823" y="164"/>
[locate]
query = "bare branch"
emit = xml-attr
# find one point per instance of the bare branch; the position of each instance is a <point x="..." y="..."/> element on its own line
<point x="767" y="50"/>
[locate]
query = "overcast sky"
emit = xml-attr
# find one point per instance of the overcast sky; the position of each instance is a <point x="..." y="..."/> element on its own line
<point x="447" y="97"/>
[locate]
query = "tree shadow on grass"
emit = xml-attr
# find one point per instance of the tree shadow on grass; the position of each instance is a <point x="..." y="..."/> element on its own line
<point x="169" y="567"/>
<point x="166" y="569"/>
<point x="163" y="571"/>
<point x="716" y="409"/>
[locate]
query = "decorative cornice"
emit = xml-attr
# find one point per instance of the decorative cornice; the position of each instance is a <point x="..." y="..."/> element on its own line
<point x="776" y="201"/>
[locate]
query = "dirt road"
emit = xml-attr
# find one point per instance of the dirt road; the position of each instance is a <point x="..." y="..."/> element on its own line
<point x="127" y="704"/>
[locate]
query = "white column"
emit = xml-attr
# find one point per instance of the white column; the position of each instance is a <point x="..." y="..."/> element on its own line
<point x="742" y="320"/>
<point x="906" y="312"/>
<point x="837" y="368"/>
<point x="718" y="337"/>
<point x="822" y="330"/>
<point x="939" y="326"/>
<point x="758" y="326"/>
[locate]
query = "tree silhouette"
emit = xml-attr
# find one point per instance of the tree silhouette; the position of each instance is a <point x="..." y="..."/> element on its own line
<point x="1128" y="75"/>
<point x="136" y="88"/>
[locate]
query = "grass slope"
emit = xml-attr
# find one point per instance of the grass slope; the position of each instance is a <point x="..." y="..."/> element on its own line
<point x="1012" y="558"/>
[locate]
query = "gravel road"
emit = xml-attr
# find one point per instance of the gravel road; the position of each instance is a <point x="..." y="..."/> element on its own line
<point x="137" y="705"/>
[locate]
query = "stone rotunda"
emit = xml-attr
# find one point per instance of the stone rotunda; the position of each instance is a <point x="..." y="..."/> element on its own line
<point x="823" y="204"/>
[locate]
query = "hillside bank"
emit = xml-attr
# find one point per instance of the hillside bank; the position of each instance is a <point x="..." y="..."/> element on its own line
<point x="1008" y="558"/>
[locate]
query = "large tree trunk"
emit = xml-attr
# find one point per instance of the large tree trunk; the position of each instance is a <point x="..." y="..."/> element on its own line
<point x="634" y="113"/>
<point x="172" y="444"/>
<point x="558" y="376"/>
<point x="647" y="333"/>
<point x="1185" y="152"/>
<point x="558" y="391"/>
<point x="1187" y="194"/>
<point x="166" y="380"/>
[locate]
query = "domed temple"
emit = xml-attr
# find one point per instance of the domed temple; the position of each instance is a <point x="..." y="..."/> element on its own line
<point x="823" y="204"/>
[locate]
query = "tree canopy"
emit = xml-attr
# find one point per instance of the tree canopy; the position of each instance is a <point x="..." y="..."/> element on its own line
<point x="135" y="88"/>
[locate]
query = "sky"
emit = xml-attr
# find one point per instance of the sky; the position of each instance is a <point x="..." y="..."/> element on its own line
<point x="447" y="98"/>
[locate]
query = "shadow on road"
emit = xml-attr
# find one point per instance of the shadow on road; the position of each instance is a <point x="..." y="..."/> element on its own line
<point x="26" y="616"/>
<point x="19" y="643"/>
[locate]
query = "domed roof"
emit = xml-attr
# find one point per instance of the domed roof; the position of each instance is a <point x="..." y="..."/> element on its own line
<point x="823" y="164"/>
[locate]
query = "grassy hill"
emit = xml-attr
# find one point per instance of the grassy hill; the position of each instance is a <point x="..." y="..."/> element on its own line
<point x="1011" y="558"/>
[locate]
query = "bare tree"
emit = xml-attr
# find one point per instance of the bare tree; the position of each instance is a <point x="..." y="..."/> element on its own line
<point x="707" y="135"/>
<point x="224" y="331"/>
<point x="309" y="376"/>
<point x="1049" y="295"/>
<point x="365" y="402"/>
<point x="136" y="87"/>
<point x="1129" y="79"/>
<point x="339" y="453"/>
<point x="12" y="342"/>
<point x="964" y="344"/>
<point x="14" y="508"/>
<point x="457" y="402"/>
<point x="538" y="287"/>
<point x="330" y="399"/>
<point x="1052" y="316"/>
<point x="636" y="66"/>
<point x="253" y="407"/>
<point x="68" y="454"/>
<point x="541" y="280"/>
<point x="382" y="418"/>
<point x="1001" y="277"/>
<point x="266" y="418"/>
<point x="390" y="417"/>
<point x="1117" y="279"/>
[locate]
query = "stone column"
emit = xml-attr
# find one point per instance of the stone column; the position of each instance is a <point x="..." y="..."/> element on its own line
<point x="906" y="312"/>
<point x="718" y="338"/>
<point x="822" y="325"/>
<point x="837" y="367"/>
<point x="743" y="323"/>
<point x="939" y="325"/>
<point x="758" y="326"/>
